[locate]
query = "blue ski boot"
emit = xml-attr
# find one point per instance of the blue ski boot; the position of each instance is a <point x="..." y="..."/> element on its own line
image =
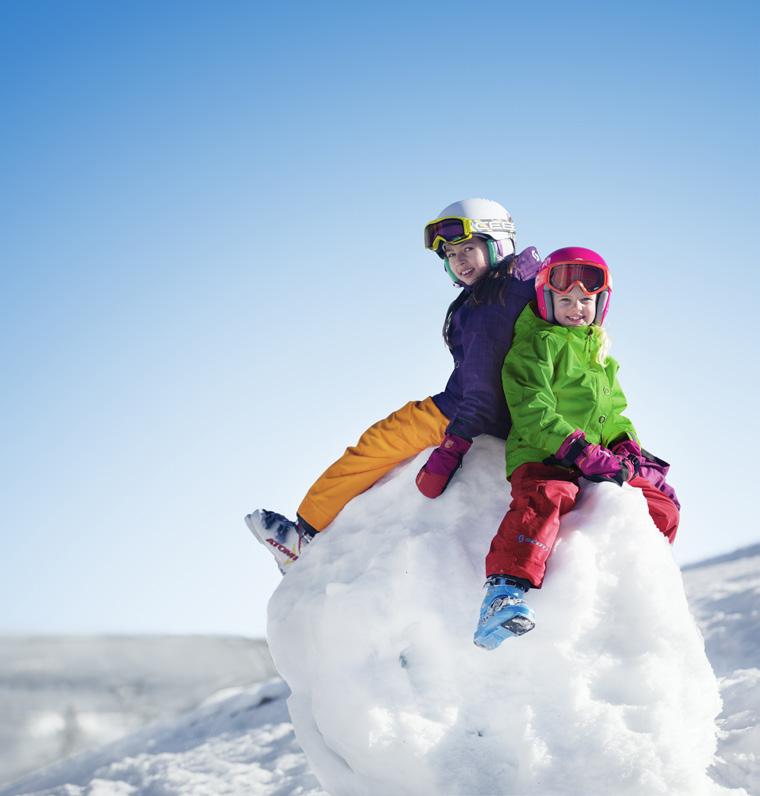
<point x="504" y="612"/>
<point x="284" y="539"/>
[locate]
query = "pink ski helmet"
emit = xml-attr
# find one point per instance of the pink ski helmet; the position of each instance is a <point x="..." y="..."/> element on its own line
<point x="565" y="268"/>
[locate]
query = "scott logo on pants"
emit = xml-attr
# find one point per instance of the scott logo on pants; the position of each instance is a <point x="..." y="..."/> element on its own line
<point x="530" y="540"/>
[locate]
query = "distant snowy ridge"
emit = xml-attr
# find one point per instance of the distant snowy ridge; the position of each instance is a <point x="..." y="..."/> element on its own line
<point x="62" y="694"/>
<point x="724" y="594"/>
<point x="239" y="742"/>
<point x="743" y="552"/>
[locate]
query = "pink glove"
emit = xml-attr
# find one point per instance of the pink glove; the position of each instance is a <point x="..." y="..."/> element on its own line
<point x="655" y="470"/>
<point x="444" y="461"/>
<point x="629" y="449"/>
<point x="595" y="462"/>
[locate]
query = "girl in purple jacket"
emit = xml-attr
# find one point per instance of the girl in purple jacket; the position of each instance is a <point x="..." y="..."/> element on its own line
<point x="475" y="238"/>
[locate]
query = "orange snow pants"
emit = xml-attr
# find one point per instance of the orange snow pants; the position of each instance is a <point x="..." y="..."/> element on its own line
<point x="541" y="494"/>
<point x="401" y="435"/>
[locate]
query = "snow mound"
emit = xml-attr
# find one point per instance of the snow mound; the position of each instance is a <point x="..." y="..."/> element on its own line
<point x="372" y="630"/>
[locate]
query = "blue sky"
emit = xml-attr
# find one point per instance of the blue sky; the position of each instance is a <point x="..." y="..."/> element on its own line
<point x="213" y="277"/>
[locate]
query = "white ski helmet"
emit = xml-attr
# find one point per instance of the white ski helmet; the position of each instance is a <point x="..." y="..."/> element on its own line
<point x="486" y="219"/>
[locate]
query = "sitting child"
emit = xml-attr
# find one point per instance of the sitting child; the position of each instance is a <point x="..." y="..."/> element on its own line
<point x="566" y="407"/>
<point x="475" y="240"/>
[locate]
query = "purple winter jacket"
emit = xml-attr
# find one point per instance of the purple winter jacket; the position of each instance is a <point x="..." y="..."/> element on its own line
<point x="479" y="334"/>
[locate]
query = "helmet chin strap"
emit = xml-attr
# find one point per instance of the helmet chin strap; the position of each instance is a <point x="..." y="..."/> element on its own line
<point x="451" y="274"/>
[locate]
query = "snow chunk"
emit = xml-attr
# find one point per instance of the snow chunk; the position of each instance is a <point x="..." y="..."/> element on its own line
<point x="372" y="631"/>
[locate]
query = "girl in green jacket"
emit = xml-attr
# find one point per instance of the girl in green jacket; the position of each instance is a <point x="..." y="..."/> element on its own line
<point x="566" y="406"/>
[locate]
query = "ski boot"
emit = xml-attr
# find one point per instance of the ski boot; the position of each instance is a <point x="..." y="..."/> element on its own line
<point x="284" y="539"/>
<point x="504" y="612"/>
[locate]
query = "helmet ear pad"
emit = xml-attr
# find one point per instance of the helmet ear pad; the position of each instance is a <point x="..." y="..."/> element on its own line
<point x="498" y="250"/>
<point x="545" y="304"/>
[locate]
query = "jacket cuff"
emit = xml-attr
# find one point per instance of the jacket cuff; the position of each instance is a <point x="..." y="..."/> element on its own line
<point x="459" y="428"/>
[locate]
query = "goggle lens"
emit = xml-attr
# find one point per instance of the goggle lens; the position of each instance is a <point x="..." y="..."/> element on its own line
<point x="445" y="230"/>
<point x="591" y="278"/>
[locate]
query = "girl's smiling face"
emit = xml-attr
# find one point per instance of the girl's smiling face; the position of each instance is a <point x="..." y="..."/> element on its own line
<point x="468" y="260"/>
<point x="574" y="308"/>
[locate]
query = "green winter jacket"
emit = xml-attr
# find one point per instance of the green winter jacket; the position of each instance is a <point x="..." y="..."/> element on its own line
<point x="554" y="385"/>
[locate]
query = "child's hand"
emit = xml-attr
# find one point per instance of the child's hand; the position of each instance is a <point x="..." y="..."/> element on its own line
<point x="655" y="471"/>
<point x="444" y="461"/>
<point x="598" y="463"/>
<point x="629" y="449"/>
<point x="595" y="462"/>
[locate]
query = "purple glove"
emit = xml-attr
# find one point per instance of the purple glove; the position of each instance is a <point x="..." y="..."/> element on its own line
<point x="444" y="461"/>
<point x="595" y="462"/>
<point x="655" y="470"/>
<point x="629" y="449"/>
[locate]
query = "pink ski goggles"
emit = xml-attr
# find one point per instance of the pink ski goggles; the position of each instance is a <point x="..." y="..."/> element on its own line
<point x="563" y="277"/>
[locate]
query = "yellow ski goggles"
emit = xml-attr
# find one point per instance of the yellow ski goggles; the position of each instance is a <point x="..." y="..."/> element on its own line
<point x="454" y="229"/>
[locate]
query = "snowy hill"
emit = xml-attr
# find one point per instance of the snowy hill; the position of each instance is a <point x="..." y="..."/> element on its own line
<point x="243" y="741"/>
<point x="724" y="595"/>
<point x="240" y="742"/>
<point x="59" y="695"/>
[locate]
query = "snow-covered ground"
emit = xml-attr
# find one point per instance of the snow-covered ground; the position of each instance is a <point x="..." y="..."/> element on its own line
<point x="724" y="595"/>
<point x="648" y="697"/>
<point x="240" y="741"/>
<point x="62" y="694"/>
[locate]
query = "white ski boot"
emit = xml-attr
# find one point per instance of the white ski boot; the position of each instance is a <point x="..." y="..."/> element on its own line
<point x="283" y="538"/>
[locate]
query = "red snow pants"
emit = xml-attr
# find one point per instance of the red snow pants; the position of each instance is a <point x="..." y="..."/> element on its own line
<point x="541" y="494"/>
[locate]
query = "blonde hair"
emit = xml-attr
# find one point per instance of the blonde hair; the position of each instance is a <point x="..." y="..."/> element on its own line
<point x="604" y="343"/>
